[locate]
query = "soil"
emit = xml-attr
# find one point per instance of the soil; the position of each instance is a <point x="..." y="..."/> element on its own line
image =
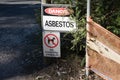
<point x="65" y="70"/>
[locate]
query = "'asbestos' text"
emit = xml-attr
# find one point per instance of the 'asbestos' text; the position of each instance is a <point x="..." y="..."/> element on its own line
<point x="59" y="24"/>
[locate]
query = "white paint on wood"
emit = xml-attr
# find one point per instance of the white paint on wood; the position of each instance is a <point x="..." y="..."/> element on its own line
<point x="103" y="50"/>
<point x="101" y="74"/>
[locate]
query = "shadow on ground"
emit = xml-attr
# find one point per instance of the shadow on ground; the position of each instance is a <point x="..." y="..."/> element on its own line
<point x="20" y="41"/>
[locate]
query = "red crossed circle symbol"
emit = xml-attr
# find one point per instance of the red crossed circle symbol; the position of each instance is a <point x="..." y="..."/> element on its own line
<point x="51" y="40"/>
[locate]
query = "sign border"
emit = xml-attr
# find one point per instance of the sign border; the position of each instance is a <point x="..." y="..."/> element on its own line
<point x="52" y="35"/>
<point x="55" y="5"/>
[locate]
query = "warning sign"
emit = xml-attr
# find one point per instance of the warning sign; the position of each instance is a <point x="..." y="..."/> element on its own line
<point x="57" y="18"/>
<point x="51" y="44"/>
<point x="51" y="40"/>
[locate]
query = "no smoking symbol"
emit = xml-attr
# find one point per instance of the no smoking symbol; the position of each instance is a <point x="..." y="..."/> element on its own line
<point x="51" y="40"/>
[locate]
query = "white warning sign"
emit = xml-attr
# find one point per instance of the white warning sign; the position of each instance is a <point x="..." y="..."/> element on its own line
<point x="51" y="44"/>
<point x="57" y="18"/>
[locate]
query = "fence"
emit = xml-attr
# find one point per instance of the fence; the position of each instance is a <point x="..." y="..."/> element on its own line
<point x="103" y="49"/>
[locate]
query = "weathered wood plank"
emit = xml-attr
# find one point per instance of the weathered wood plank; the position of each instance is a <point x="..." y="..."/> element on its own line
<point x="103" y="48"/>
<point x="106" y="68"/>
<point x="106" y="37"/>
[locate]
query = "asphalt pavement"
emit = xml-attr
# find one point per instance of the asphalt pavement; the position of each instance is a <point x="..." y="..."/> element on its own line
<point x="19" y="33"/>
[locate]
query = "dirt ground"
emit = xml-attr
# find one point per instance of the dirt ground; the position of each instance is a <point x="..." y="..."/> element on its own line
<point x="65" y="70"/>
